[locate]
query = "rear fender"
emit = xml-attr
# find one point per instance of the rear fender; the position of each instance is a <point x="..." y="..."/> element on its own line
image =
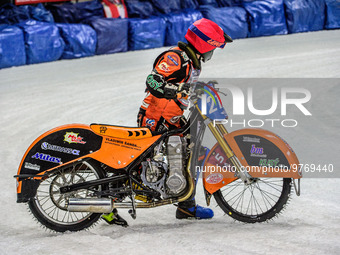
<point x="263" y="153"/>
<point x="53" y="149"/>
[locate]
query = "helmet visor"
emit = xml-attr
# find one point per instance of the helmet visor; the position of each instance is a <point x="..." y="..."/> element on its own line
<point x="227" y="38"/>
<point x="207" y="56"/>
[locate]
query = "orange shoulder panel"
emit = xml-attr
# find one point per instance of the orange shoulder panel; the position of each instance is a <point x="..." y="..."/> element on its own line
<point x="169" y="63"/>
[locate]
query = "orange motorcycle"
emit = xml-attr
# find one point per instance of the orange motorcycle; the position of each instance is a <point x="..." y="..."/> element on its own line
<point x="73" y="174"/>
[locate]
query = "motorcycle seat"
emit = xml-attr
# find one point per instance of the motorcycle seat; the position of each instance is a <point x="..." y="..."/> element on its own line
<point x="134" y="133"/>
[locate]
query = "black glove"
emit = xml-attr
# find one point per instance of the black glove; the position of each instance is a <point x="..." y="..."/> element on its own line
<point x="184" y="89"/>
<point x="170" y="91"/>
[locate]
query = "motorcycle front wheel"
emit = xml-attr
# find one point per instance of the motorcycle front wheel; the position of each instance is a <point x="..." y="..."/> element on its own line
<point x="257" y="202"/>
<point x="49" y="206"/>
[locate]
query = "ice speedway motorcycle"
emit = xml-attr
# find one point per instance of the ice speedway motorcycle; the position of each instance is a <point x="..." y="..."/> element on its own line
<point x="73" y="174"/>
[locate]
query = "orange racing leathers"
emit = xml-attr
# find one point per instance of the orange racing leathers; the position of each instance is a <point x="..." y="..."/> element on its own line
<point x="174" y="66"/>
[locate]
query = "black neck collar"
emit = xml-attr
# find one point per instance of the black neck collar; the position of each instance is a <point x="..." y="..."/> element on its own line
<point x="191" y="54"/>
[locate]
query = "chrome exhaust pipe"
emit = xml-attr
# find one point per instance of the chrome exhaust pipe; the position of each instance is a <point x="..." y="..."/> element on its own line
<point x="94" y="205"/>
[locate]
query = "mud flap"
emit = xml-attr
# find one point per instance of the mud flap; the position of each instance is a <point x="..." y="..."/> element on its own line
<point x="28" y="190"/>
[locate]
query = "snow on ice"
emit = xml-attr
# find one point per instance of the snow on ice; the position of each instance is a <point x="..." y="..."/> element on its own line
<point x="109" y="89"/>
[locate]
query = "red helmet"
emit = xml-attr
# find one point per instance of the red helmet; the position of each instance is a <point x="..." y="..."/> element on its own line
<point x="205" y="36"/>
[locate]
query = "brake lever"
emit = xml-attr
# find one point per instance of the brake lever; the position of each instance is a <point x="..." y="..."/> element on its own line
<point x="220" y="92"/>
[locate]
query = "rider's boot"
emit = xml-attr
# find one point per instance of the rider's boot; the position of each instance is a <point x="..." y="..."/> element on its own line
<point x="189" y="210"/>
<point x="196" y="212"/>
<point x="114" y="218"/>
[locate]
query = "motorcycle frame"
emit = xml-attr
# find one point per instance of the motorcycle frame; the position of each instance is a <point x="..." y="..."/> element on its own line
<point x="218" y="131"/>
<point x="130" y="169"/>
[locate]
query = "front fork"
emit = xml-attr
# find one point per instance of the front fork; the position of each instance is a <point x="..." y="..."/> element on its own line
<point x="218" y="131"/>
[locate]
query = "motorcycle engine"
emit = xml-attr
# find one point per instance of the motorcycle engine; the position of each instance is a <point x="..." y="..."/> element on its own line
<point x="176" y="181"/>
<point x="165" y="174"/>
<point x="154" y="174"/>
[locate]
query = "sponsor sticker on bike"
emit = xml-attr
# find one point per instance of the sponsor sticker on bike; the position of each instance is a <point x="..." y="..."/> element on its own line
<point x="32" y="166"/>
<point x="214" y="178"/>
<point x="257" y="152"/>
<point x="51" y="147"/>
<point x="121" y="143"/>
<point x="251" y="139"/>
<point x="46" y="157"/>
<point x="269" y="162"/>
<point x="72" y="137"/>
<point x="103" y="129"/>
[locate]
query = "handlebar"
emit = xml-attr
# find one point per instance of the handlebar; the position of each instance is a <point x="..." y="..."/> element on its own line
<point x="198" y="88"/>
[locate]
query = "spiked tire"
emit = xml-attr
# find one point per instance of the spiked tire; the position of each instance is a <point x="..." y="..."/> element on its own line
<point x="49" y="207"/>
<point x="258" y="202"/>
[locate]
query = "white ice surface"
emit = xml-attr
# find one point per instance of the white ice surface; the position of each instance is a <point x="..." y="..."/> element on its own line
<point x="109" y="89"/>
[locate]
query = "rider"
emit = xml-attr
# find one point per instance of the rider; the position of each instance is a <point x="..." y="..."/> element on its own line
<point x="167" y="90"/>
<point x="165" y="101"/>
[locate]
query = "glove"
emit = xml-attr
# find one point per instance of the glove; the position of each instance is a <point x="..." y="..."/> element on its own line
<point x="183" y="90"/>
<point x="170" y="91"/>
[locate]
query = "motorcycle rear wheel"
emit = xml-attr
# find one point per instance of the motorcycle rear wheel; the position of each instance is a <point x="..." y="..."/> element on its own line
<point x="257" y="202"/>
<point x="49" y="206"/>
